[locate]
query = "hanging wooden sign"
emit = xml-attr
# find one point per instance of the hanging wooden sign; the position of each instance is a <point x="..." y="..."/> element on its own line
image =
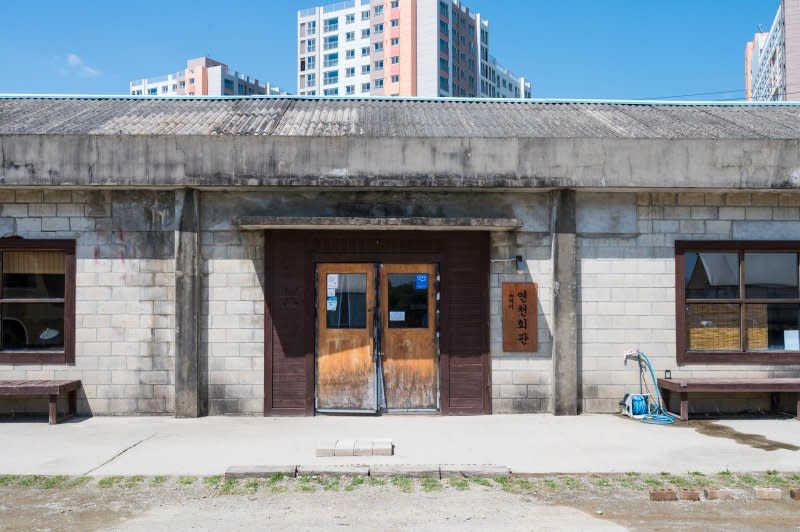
<point x="520" y="308"/>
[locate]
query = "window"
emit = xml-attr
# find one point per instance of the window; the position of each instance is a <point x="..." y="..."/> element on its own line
<point x="37" y="301"/>
<point x="350" y="89"/>
<point x="330" y="78"/>
<point x="444" y="85"/>
<point x="395" y="4"/>
<point x="395" y="41"/>
<point x="365" y="15"/>
<point x="365" y="33"/>
<point x="365" y="87"/>
<point x="378" y="83"/>
<point x="738" y="302"/>
<point x="379" y="64"/>
<point x="395" y="78"/>
<point x="365" y="51"/>
<point x="331" y="24"/>
<point x="350" y="72"/>
<point x="443" y="27"/>
<point x="379" y="10"/>
<point x="311" y="45"/>
<point x="379" y="28"/>
<point x="443" y="46"/>
<point x="312" y="27"/>
<point x="331" y="60"/>
<point x="311" y="62"/>
<point x="164" y="89"/>
<point x="395" y="59"/>
<point x="350" y="36"/>
<point x="331" y="42"/>
<point x="350" y="54"/>
<point x="378" y="46"/>
<point x="311" y="80"/>
<point x="407" y="295"/>
<point x="365" y="69"/>
<point x="331" y="92"/>
<point x="395" y="22"/>
<point x="349" y="19"/>
<point x="444" y="11"/>
<point x="347" y="308"/>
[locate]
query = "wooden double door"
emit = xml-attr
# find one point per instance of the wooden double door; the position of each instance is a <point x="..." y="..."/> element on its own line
<point x="376" y="338"/>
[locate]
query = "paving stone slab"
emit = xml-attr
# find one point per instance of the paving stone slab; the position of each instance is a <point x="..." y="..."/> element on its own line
<point x="473" y="470"/>
<point x="382" y="447"/>
<point x="326" y="447"/>
<point x="404" y="470"/>
<point x="720" y="494"/>
<point x="333" y="469"/>
<point x="663" y="495"/>
<point x="344" y="448"/>
<point x="688" y="494"/>
<point x="768" y="494"/>
<point x="362" y="448"/>
<point x="262" y="471"/>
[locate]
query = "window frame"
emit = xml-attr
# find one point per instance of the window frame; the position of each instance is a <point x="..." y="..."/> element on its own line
<point x="684" y="356"/>
<point x="48" y="357"/>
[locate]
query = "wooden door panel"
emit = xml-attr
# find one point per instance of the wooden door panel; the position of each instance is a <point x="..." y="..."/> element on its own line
<point x="346" y="374"/>
<point x="409" y="350"/>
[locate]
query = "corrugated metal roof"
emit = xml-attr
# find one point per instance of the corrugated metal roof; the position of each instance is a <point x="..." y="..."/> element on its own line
<point x="387" y="117"/>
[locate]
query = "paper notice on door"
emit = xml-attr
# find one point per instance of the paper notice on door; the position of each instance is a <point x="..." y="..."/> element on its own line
<point x="791" y="340"/>
<point x="333" y="281"/>
<point x="397" y="315"/>
<point x="331" y="292"/>
<point x="332" y="303"/>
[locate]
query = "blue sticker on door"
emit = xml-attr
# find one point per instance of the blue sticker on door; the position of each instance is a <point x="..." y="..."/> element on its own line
<point x="421" y="281"/>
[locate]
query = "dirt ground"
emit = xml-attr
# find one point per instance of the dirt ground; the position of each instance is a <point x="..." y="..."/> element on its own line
<point x="596" y="502"/>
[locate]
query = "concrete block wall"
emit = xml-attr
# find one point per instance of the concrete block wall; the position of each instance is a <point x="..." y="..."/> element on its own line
<point x="627" y="285"/>
<point x="232" y="320"/>
<point x="125" y="295"/>
<point x="521" y="382"/>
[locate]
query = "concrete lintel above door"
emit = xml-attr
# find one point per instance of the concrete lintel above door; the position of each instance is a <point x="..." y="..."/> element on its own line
<point x="259" y="223"/>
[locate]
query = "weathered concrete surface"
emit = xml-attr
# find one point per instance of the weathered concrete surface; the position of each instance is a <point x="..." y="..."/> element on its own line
<point x="190" y="386"/>
<point x="605" y="213"/>
<point x="526" y="443"/>
<point x="260" y="471"/>
<point x="234" y="161"/>
<point x="565" y="305"/>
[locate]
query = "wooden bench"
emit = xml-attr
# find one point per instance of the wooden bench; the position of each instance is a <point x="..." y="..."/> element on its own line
<point x="51" y="389"/>
<point x="687" y="386"/>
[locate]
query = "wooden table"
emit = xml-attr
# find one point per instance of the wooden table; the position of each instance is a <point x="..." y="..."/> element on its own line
<point x="52" y="389"/>
<point x="699" y="385"/>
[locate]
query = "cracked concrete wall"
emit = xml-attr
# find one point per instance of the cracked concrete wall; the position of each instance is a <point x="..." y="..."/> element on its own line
<point x="125" y="295"/>
<point x="398" y="162"/>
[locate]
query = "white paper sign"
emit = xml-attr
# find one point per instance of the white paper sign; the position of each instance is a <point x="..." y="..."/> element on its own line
<point x="333" y="281"/>
<point x="332" y="303"/>
<point x="331" y="292"/>
<point x="791" y="340"/>
<point x="397" y="315"/>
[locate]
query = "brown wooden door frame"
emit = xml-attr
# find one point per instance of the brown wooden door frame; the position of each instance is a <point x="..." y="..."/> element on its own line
<point x="463" y="259"/>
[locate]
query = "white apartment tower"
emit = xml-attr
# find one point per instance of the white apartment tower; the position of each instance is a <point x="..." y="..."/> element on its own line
<point x="426" y="48"/>
<point x="772" y="59"/>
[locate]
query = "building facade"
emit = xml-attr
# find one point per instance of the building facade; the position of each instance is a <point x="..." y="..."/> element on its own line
<point x="426" y="48"/>
<point x="202" y="76"/>
<point x="295" y="256"/>
<point x="772" y="59"/>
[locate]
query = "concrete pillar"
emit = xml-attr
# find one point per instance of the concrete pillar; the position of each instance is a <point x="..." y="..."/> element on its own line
<point x="565" y="305"/>
<point x="190" y="391"/>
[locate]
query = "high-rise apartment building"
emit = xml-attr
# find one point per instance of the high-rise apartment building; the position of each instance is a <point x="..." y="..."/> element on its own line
<point x="202" y="77"/>
<point x="772" y="59"/>
<point x="426" y="48"/>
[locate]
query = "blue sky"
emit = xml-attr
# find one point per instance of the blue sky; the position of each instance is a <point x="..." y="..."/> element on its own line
<point x="568" y="48"/>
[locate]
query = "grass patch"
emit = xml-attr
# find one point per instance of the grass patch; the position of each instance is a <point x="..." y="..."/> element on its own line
<point x="228" y="487"/>
<point x="275" y="478"/>
<point x="159" y="480"/>
<point x="550" y="484"/>
<point x="700" y="480"/>
<point x="524" y="484"/>
<point x="773" y="478"/>
<point x="431" y="484"/>
<point x="329" y="483"/>
<point x="404" y="484"/>
<point x="677" y="480"/>
<point x="213" y="481"/>
<point x="374" y="481"/>
<point x="252" y="485"/>
<point x="654" y="483"/>
<point x="504" y="483"/>
<point x="52" y="482"/>
<point x="186" y="481"/>
<point x="354" y="483"/>
<point x="77" y="482"/>
<point x="794" y="478"/>
<point x="30" y="480"/>
<point x="482" y="482"/>
<point x="131" y="482"/>
<point x="6" y="480"/>
<point x="600" y="482"/>
<point x="109" y="482"/>
<point x="571" y="483"/>
<point x="746" y="480"/>
<point x="459" y="483"/>
<point x="304" y="484"/>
